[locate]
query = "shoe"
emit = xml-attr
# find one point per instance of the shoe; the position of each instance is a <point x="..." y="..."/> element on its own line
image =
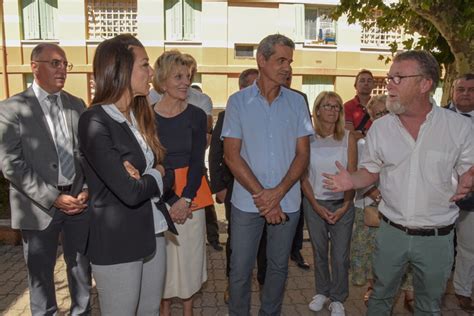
<point x="367" y="296"/>
<point x="337" y="309"/>
<point x="299" y="260"/>
<point x="317" y="303"/>
<point x="216" y="246"/>
<point x="465" y="303"/>
<point x="226" y="295"/>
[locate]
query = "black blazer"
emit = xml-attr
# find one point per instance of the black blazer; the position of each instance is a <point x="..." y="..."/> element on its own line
<point x="220" y="175"/>
<point x="121" y="224"/>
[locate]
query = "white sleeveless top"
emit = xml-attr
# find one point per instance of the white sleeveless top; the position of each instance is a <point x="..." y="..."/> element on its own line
<point x="324" y="154"/>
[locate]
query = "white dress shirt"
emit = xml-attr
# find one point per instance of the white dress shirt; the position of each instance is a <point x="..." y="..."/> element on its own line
<point x="42" y="97"/>
<point x="417" y="178"/>
<point x="455" y="109"/>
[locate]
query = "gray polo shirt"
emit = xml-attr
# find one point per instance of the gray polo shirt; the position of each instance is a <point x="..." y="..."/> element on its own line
<point x="269" y="134"/>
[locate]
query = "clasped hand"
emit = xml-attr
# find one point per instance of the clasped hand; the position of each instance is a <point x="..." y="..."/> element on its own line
<point x="72" y="205"/>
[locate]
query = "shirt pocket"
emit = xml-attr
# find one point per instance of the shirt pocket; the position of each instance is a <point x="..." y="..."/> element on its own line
<point x="439" y="167"/>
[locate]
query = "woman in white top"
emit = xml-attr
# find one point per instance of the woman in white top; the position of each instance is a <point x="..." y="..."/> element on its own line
<point x="329" y="215"/>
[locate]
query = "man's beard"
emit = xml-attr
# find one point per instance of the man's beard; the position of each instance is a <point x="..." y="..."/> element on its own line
<point x="395" y="107"/>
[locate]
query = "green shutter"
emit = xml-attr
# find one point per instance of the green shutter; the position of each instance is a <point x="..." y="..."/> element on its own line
<point x="48" y="18"/>
<point x="192" y="13"/>
<point x="299" y="22"/>
<point x="31" y="23"/>
<point x="173" y="19"/>
<point x="313" y="85"/>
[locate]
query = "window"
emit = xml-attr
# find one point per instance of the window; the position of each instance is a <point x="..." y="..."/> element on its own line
<point x="107" y="19"/>
<point x="40" y="18"/>
<point x="313" y="85"/>
<point x="319" y="27"/>
<point x="91" y="90"/>
<point x="182" y="19"/>
<point x="380" y="86"/>
<point x="28" y="80"/>
<point x="245" y="51"/>
<point x="373" y="37"/>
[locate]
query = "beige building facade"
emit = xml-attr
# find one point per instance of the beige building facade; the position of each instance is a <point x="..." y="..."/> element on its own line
<point x="221" y="34"/>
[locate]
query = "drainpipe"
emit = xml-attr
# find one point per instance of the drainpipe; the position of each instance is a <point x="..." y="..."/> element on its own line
<point x="3" y="61"/>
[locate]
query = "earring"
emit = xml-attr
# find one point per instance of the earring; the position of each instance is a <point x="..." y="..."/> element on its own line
<point x="317" y="113"/>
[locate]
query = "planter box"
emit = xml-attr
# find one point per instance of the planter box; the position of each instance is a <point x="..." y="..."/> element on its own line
<point x="8" y="235"/>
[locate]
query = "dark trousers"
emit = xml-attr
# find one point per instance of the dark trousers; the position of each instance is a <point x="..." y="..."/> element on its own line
<point x="212" y="229"/>
<point x="40" y="251"/>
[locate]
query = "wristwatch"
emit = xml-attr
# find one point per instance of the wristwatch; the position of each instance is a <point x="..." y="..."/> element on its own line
<point x="188" y="201"/>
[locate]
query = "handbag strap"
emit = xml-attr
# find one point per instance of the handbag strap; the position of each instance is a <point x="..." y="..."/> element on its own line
<point x="362" y="123"/>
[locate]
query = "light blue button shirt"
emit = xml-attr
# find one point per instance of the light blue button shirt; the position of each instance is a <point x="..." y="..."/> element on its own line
<point x="269" y="134"/>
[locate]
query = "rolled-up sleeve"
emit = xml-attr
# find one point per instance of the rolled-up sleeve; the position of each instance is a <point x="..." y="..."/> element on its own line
<point x="305" y="127"/>
<point x="466" y="157"/>
<point x="370" y="159"/>
<point x="232" y="125"/>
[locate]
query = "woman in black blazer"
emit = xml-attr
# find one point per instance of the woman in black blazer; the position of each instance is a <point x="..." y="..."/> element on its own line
<point x="121" y="155"/>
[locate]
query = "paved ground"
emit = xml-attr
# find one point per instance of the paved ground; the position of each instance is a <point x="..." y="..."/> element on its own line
<point x="14" y="296"/>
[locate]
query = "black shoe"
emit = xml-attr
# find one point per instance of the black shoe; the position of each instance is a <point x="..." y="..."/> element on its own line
<point x="299" y="260"/>
<point x="216" y="246"/>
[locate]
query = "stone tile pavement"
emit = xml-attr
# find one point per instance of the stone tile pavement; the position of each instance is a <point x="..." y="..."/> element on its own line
<point x="14" y="295"/>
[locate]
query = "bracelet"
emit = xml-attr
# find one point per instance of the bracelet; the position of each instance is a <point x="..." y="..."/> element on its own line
<point x="188" y="201"/>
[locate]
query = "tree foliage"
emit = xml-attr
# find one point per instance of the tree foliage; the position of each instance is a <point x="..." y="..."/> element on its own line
<point x="446" y="28"/>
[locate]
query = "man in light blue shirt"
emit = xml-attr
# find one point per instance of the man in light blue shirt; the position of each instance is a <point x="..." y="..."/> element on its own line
<point x="266" y="146"/>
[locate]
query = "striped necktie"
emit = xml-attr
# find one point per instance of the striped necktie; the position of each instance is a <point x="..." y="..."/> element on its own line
<point x="63" y="143"/>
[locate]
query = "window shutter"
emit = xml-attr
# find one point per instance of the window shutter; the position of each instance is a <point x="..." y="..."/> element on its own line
<point x="311" y="23"/>
<point x="299" y="22"/>
<point x="173" y="19"/>
<point x="31" y="21"/>
<point x="192" y="15"/>
<point x="313" y="85"/>
<point x="48" y="10"/>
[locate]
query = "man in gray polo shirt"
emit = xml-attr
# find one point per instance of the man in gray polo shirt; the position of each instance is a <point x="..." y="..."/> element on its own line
<point x="266" y="146"/>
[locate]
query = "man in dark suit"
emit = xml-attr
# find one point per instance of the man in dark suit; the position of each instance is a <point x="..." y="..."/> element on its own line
<point x="297" y="245"/>
<point x="38" y="155"/>
<point x="463" y="103"/>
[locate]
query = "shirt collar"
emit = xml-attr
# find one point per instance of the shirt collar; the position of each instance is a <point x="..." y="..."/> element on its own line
<point x="255" y="90"/>
<point x="117" y="116"/>
<point x="455" y="109"/>
<point x="40" y="93"/>
<point x="434" y="109"/>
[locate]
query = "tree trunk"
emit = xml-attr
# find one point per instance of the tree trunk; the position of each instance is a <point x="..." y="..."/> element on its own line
<point x="449" y="75"/>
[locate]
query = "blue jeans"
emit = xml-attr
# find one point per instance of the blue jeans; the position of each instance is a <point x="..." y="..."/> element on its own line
<point x="245" y="238"/>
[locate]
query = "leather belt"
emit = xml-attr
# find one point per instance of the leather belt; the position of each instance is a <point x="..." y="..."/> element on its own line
<point x="441" y="231"/>
<point x="64" y="188"/>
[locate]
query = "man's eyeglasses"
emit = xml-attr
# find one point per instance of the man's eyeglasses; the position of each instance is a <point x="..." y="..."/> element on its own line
<point x="56" y="63"/>
<point x="331" y="107"/>
<point x="381" y="113"/>
<point x="397" y="79"/>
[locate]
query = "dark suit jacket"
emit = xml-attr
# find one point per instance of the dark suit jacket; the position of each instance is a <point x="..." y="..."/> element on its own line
<point x="467" y="203"/>
<point x="121" y="228"/>
<point x="29" y="159"/>
<point x="221" y="177"/>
